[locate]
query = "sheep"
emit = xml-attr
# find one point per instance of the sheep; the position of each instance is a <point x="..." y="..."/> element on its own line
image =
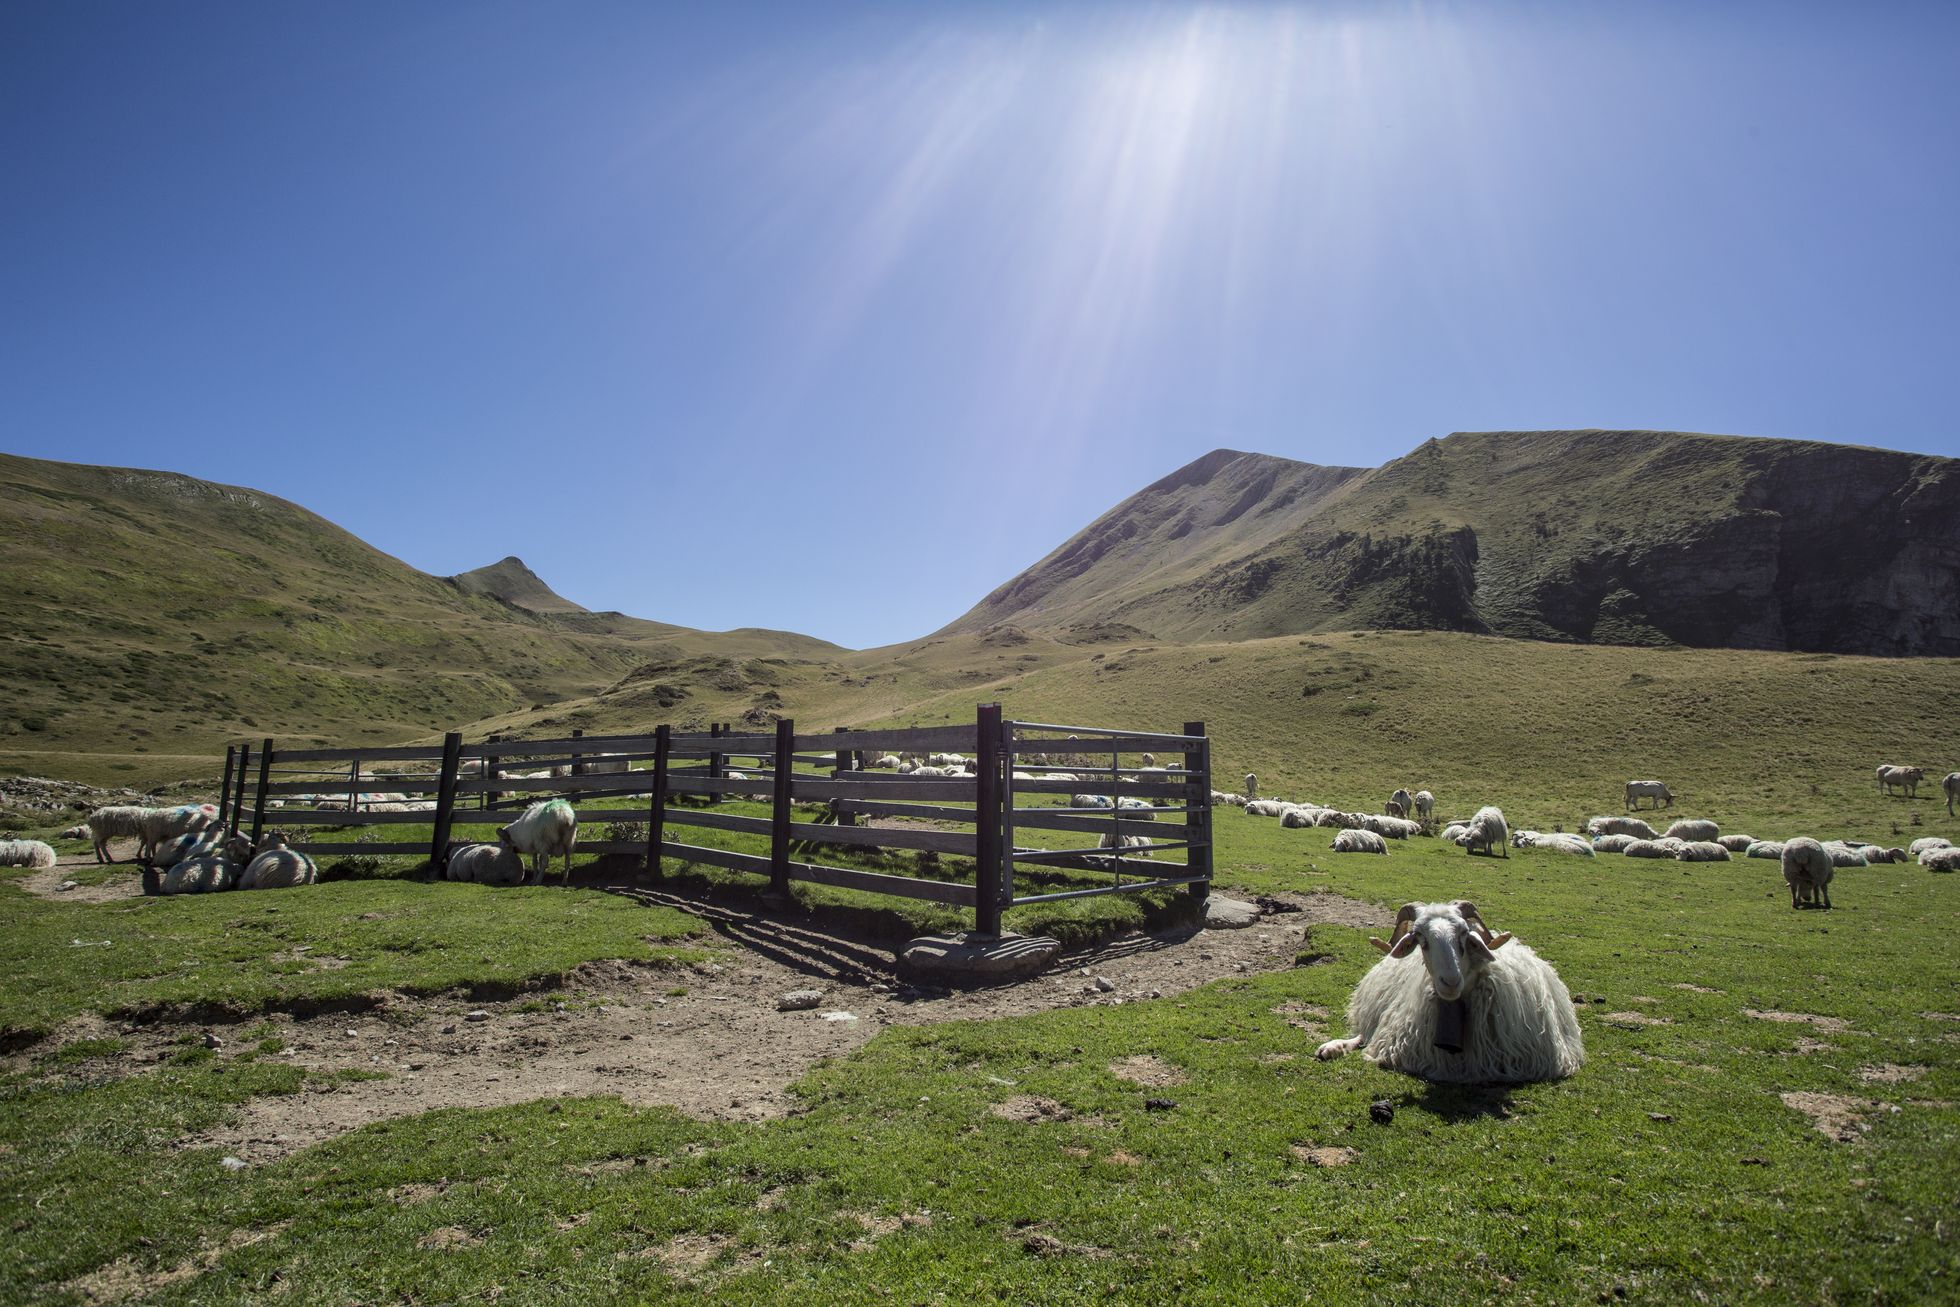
<point x="161" y="824"/>
<point x="1394" y="809"/>
<point x="195" y="844"/>
<point x="1251" y="786"/>
<point x="1633" y="826"/>
<point x="487" y="864"/>
<point x="1089" y="801"/>
<point x="1298" y="818"/>
<point x="1223" y="799"/>
<point x="907" y="767"/>
<point x="1843" y="855"/>
<point x="76" y="832"/>
<point x="1701" y="851"/>
<point x="1139" y="810"/>
<point x="1692" y="830"/>
<point x="1487" y="831"/>
<point x="1930" y="842"/>
<point x="1952" y="787"/>
<point x="1390" y="826"/>
<point x="885" y="762"/>
<point x="1400" y="803"/>
<point x="208" y="873"/>
<point x="1905" y="778"/>
<point x="1112" y="840"/>
<point x="545" y="830"/>
<point x="1556" y="842"/>
<point x="1771" y="849"/>
<point x="117" y="822"/>
<point x="26" y="853"/>
<point x="1611" y="843"/>
<point x="1878" y="854"/>
<point x="1264" y="807"/>
<point x="1359" y="841"/>
<point x="1660" y="848"/>
<point x="1150" y="760"/>
<point x="1947" y="859"/>
<point x="1808" y="870"/>
<point x="1453" y="831"/>
<point x="1425" y="805"/>
<point x="277" y="867"/>
<point x="1736" y="843"/>
<point x="1654" y="790"/>
<point x="1473" y="1007"/>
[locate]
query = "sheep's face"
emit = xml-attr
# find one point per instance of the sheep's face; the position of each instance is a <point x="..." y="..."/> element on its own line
<point x="503" y="837"/>
<point x="1455" y="944"/>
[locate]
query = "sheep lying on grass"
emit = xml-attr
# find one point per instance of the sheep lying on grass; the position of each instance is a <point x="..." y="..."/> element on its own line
<point x="1692" y="830"/>
<point x="1556" y="842"/>
<point x="1453" y="1002"/>
<point x="1487" y="831"/>
<point x="76" y="832"/>
<point x="1929" y="842"/>
<point x="1359" y="841"/>
<point x="1121" y="842"/>
<point x="1947" y="859"/>
<point x="487" y="864"/>
<point x="1878" y="854"/>
<point x="1843" y="855"/>
<point x="546" y="830"/>
<point x="1390" y="827"/>
<point x="1090" y="801"/>
<point x="1451" y="833"/>
<point x="1265" y="808"/>
<point x="1611" y="843"/>
<point x="1661" y="848"/>
<point x="26" y="853"/>
<point x="207" y="873"/>
<point x="1701" y="851"/>
<point x="1633" y="826"/>
<point x="194" y="844"/>
<point x="277" y="867"/>
<point x="1808" y="870"/>
<point x="1736" y="843"/>
<point x="1298" y="818"/>
<point x="1771" y="849"/>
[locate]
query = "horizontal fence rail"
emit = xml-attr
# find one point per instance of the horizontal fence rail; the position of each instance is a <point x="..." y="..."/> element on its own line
<point x="1010" y="777"/>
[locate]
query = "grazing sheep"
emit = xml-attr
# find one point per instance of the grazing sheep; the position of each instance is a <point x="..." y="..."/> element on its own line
<point x="1468" y="1007"/>
<point x="1611" y="843"/>
<point x="119" y="822"/>
<point x="208" y="873"/>
<point x="1556" y="842"/>
<point x="1904" y="778"/>
<point x="1660" y="848"/>
<point x="1390" y="826"/>
<point x="1692" y="830"/>
<point x="1452" y="832"/>
<point x="278" y="867"/>
<point x="1633" y="826"/>
<point x="1772" y="849"/>
<point x="1359" y="841"/>
<point x="26" y="853"/>
<point x="546" y="830"/>
<point x="1425" y="805"/>
<point x="1251" y="786"/>
<point x="1701" y="851"/>
<point x="1843" y="855"/>
<point x="1487" y="831"/>
<point x="1940" y="859"/>
<point x="1952" y="787"/>
<point x="1930" y="842"/>
<point x="1808" y="870"/>
<point x="1654" y="790"/>
<point x="1736" y="843"/>
<point x="1265" y="807"/>
<point x="487" y="864"/>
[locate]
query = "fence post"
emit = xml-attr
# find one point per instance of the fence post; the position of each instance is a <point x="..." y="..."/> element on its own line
<point x="238" y="798"/>
<point x="492" y="770"/>
<point x="1197" y="822"/>
<point x="578" y="759"/>
<point x="714" y="760"/>
<point x="657" y="805"/>
<point x="452" y="766"/>
<point x="265" y="778"/>
<point x="354" y="786"/>
<point x="779" y="817"/>
<point x="224" y="790"/>
<point x="986" y="818"/>
<point x="845" y="759"/>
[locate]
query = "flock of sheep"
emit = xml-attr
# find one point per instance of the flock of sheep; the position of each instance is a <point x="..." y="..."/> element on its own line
<point x="191" y="851"/>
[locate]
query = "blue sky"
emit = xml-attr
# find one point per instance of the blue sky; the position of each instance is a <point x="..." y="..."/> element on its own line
<point x="832" y="317"/>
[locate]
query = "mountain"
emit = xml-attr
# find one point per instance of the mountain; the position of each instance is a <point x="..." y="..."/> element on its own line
<point x="153" y="613"/>
<point x="1616" y="537"/>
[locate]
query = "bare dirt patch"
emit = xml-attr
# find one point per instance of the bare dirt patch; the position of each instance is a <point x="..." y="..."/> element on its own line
<point x="125" y="882"/>
<point x="1696" y="989"/>
<point x="1886" y="1073"/>
<point x="1835" y="1116"/>
<point x="1315" y="1156"/>
<point x="1148" y="1070"/>
<point x="1805" y="1046"/>
<point x="1031" y="1108"/>
<point x="1829" y="1025"/>
<point x="718" y="1050"/>
<point x="1634" y="1020"/>
<point x="124" y="1279"/>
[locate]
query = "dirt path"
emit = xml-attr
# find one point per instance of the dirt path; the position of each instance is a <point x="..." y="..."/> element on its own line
<point x="128" y="883"/>
<point x="720" y="1050"/>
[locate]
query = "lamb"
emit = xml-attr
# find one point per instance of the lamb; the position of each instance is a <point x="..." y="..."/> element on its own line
<point x="1736" y="843"/>
<point x="1633" y="826"/>
<point x="277" y="867"/>
<point x="1150" y="760"/>
<point x="1264" y="807"/>
<point x="1487" y="831"/>
<point x="1474" y="1007"/>
<point x="1359" y="841"/>
<point x="1940" y="859"/>
<point x="1394" y="809"/>
<point x="1425" y="805"/>
<point x="1701" y="851"/>
<point x="1660" y="848"/>
<point x="1692" y="830"/>
<point x="1930" y="842"/>
<point x="26" y="853"/>
<point x="1808" y="870"/>
<point x="1772" y="849"/>
<point x="487" y="864"/>
<point x="1611" y="843"/>
<point x="1905" y="778"/>
<point x="1952" y="787"/>
<point x="118" y="822"/>
<point x="1251" y="786"/>
<point x="1556" y="842"/>
<point x="545" y="830"/>
<point x="1654" y="790"/>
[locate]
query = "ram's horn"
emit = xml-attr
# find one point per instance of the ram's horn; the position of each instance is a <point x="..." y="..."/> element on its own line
<point x="1403" y="920"/>
<point x="1468" y="911"/>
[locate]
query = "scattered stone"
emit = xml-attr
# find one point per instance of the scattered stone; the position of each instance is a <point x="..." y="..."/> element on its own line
<point x="1659" y="1116"/>
<point x="1159" y="1104"/>
<point x="1223" y="913"/>
<point x="1105" y="984"/>
<point x="1381" y="1111"/>
<point x="799" y="1000"/>
<point x="478" y="1015"/>
<point x="234" y="1163"/>
<point x="449" y="1030"/>
<point x="967" y="954"/>
<point x="66" y="885"/>
<point x="212" y="1041"/>
<point x="845" y="1018"/>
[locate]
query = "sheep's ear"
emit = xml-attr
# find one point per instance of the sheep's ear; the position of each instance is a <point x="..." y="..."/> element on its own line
<point x="1403" y="946"/>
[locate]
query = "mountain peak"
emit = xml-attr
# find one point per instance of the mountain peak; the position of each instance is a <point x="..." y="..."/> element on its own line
<point x="510" y="580"/>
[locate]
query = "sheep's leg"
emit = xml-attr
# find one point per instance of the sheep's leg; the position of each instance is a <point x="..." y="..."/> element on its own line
<point x="1334" y="1048"/>
<point x="1825" y="890"/>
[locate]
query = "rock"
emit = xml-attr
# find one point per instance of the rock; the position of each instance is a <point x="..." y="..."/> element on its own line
<point x="844" y="1018"/>
<point x="1223" y="913"/>
<point x="996" y="957"/>
<point x="1381" y="1111"/>
<point x="234" y="1163"/>
<point x="212" y="1041"/>
<point x="799" y="1000"/>
<point x="1159" y="1104"/>
<point x="65" y="886"/>
<point x="478" y="1015"/>
<point x="1105" y="984"/>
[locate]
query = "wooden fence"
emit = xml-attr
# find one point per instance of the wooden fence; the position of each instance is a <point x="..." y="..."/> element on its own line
<point x="673" y="781"/>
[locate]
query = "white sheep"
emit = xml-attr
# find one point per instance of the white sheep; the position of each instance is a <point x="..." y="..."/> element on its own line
<point x="1633" y="826"/>
<point x="1878" y="855"/>
<point x="1660" y="848"/>
<point x="121" y="821"/>
<point x="1119" y="842"/>
<point x="1298" y="818"/>
<point x="1451" y="833"/>
<point x="1736" y="843"/>
<point x="1701" y="851"/>
<point x="1400" y="803"/>
<point x="1487" y="831"/>
<point x="194" y="844"/>
<point x="1952" y="787"/>
<point x="1905" y="778"/>
<point x="1843" y="855"/>
<point x="161" y="824"/>
<point x="76" y="832"/>
<point x="1940" y="859"/>
<point x="1359" y="841"/>
<point x="1808" y="869"/>
<point x="1692" y="830"/>
<point x="1653" y="790"/>
<point x="1251" y="786"/>
<point x="1555" y="842"/>
<point x="886" y="762"/>
<point x="1089" y="801"/>
<point x="1389" y="826"/>
<point x="1150" y="760"/>
<point x="1425" y="805"/>
<point x="1919" y="846"/>
<point x="277" y="867"/>
<point x="487" y="864"/>
<point x="546" y="830"/>
<point x="1264" y="807"/>
<point x="1771" y="849"/>
<point x="1611" y="843"/>
<point x="26" y="853"/>
<point x="208" y="873"/>
<point x="1453" y="1002"/>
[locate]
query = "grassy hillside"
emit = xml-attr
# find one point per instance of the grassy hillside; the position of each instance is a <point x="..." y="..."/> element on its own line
<point x="159" y="614"/>
<point x="1624" y="537"/>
